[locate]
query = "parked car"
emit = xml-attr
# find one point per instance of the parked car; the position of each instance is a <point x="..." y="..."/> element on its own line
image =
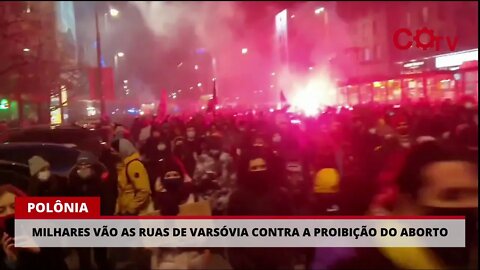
<point x="62" y="158"/>
<point x="83" y="139"/>
<point x="14" y="173"/>
<point x="20" y="168"/>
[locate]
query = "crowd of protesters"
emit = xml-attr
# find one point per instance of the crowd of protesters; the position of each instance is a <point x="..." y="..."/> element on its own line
<point x="370" y="160"/>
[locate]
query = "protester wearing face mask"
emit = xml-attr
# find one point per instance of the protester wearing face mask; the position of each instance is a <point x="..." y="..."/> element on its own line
<point x="257" y="193"/>
<point x="170" y="189"/>
<point x="192" y="141"/>
<point x="433" y="182"/>
<point x="214" y="173"/>
<point x="44" y="183"/>
<point x="86" y="177"/>
<point x="154" y="152"/>
<point x="184" y="154"/>
<point x="87" y="180"/>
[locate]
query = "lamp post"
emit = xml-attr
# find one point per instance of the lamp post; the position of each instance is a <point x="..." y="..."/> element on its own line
<point x="99" y="85"/>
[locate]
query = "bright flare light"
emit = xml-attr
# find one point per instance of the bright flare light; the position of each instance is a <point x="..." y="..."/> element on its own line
<point x="244" y="51"/>
<point x="120" y="54"/>
<point x="310" y="99"/>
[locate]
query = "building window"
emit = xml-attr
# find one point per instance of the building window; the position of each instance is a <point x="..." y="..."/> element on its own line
<point x="367" y="55"/>
<point x="425" y="14"/>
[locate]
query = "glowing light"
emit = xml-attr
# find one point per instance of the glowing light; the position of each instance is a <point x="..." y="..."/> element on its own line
<point x="195" y="67"/>
<point x="292" y="16"/>
<point x="244" y="51"/>
<point x="310" y="68"/>
<point x="295" y="121"/>
<point x="179" y="90"/>
<point x="271" y="110"/>
<point x="199" y="84"/>
<point x="142" y="112"/>
<point x="413" y="64"/>
<point x="191" y="88"/>
<point x="26" y="49"/>
<point x="272" y="86"/>
<point x="4" y="104"/>
<point x="91" y="111"/>
<point x="273" y="73"/>
<point x="217" y="107"/>
<point x="203" y="108"/>
<point x="377" y="84"/>
<point x="311" y="97"/>
<point x="319" y="10"/>
<point x="125" y="87"/>
<point x="125" y="81"/>
<point x="120" y="54"/>
<point x="180" y="64"/>
<point x="114" y="12"/>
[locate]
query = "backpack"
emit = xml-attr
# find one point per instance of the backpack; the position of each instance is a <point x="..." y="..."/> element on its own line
<point x="148" y="205"/>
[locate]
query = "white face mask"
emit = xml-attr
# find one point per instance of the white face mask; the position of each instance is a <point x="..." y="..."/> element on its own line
<point x="161" y="147"/>
<point x="44" y="175"/>
<point x="85" y="172"/>
<point x="191" y="134"/>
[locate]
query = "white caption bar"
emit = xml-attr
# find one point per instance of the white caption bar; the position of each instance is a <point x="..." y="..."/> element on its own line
<point x="240" y="233"/>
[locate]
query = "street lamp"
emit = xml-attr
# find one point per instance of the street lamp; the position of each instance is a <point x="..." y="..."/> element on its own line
<point x="114" y="12"/>
<point x="26" y="49"/>
<point x="120" y="54"/>
<point x="319" y="10"/>
<point x="244" y="51"/>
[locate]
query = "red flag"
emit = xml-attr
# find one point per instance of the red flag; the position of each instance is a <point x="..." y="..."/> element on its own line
<point x="108" y="85"/>
<point x="212" y="103"/>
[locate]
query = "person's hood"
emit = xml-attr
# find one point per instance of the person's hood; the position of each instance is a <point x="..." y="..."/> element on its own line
<point x="124" y="147"/>
<point x="37" y="164"/>
<point x="256" y="169"/>
<point x="86" y="158"/>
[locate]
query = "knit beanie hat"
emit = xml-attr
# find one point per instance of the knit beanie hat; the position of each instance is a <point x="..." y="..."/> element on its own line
<point x="37" y="164"/>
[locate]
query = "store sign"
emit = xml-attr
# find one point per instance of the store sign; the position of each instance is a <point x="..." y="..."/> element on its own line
<point x="424" y="39"/>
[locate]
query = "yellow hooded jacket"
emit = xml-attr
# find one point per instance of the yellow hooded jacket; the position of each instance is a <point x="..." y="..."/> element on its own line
<point x="133" y="183"/>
